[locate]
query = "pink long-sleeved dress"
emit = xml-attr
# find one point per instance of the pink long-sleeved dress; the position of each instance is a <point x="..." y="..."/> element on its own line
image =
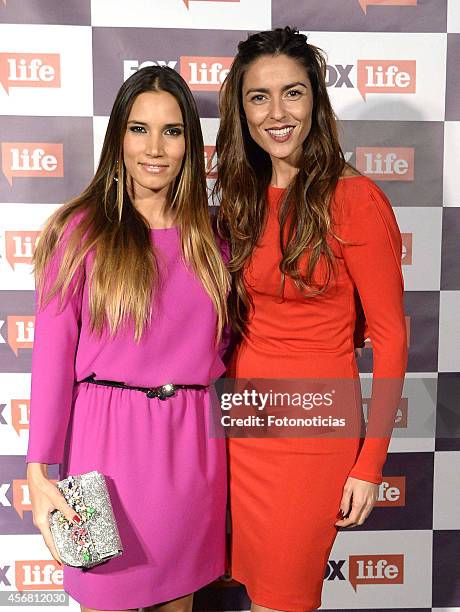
<point x="166" y="474"/>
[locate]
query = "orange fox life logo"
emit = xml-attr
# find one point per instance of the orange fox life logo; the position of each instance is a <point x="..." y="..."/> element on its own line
<point x="20" y="330"/>
<point x="406" y="248"/>
<point x="375" y="569"/>
<point x="365" y="3"/>
<point x="386" y="163"/>
<point x="210" y="159"/>
<point x="20" y="414"/>
<point x="204" y="73"/>
<point x="187" y="2"/>
<point x="38" y="575"/>
<point x="392" y="491"/>
<point x="386" y="76"/>
<point x="32" y="159"/>
<point x="20" y="246"/>
<point x="30" y="70"/>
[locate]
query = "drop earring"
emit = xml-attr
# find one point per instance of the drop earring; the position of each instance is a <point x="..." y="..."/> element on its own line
<point x="115" y="178"/>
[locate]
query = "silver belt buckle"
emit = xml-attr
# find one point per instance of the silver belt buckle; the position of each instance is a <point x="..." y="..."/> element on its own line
<point x="166" y="391"/>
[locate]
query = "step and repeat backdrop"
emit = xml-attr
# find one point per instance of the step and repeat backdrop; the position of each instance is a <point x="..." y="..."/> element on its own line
<point x="394" y="82"/>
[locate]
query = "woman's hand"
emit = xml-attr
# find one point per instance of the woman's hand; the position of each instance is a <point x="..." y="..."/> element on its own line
<point x="358" y="499"/>
<point x="45" y="497"/>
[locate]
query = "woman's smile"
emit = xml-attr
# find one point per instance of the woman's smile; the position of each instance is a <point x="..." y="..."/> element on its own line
<point x="154" y="168"/>
<point x="281" y="134"/>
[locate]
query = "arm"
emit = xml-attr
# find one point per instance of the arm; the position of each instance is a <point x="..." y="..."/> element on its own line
<point x="53" y="368"/>
<point x="374" y="263"/>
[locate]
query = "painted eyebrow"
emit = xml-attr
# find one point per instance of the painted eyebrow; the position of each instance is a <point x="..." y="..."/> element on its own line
<point x="265" y="90"/>
<point x="167" y="126"/>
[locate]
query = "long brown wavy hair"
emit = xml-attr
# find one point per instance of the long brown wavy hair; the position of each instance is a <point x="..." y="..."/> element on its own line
<point x="245" y="170"/>
<point x="104" y="220"/>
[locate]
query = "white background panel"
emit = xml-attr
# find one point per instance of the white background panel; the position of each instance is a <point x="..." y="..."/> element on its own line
<point x="449" y="332"/>
<point x="213" y="15"/>
<point x="453" y="16"/>
<point x="75" y="95"/>
<point x="99" y="128"/>
<point x="451" y="163"/>
<point x="428" y="50"/>
<point x="13" y="387"/>
<point x="446" y="491"/>
<point x="425" y="225"/>
<point x="22" y="218"/>
<point x="415" y="545"/>
<point x="420" y="389"/>
<point x="209" y="127"/>
<point x="24" y="548"/>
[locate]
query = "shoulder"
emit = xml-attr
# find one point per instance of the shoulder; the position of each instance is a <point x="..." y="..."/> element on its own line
<point x="357" y="197"/>
<point x="349" y="170"/>
<point x="363" y="213"/>
<point x="73" y="220"/>
<point x="62" y="223"/>
<point x="66" y="232"/>
<point x="61" y="238"/>
<point x="353" y="185"/>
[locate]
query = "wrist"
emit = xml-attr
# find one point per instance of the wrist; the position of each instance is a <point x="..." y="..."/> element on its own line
<point x="37" y="472"/>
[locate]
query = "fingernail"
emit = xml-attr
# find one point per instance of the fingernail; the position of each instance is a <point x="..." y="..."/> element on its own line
<point x="340" y="513"/>
<point x="76" y="519"/>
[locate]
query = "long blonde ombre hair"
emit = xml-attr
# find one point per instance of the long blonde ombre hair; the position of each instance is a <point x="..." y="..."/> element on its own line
<point x="124" y="276"/>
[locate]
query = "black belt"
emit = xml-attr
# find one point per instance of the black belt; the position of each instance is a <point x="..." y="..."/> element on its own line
<point x="162" y="392"/>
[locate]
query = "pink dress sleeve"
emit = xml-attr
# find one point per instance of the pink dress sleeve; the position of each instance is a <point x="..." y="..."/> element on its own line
<point x="53" y="368"/>
<point x="373" y="260"/>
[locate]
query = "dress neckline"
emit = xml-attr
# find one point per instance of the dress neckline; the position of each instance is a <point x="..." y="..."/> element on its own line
<point x="342" y="178"/>
<point x="164" y="229"/>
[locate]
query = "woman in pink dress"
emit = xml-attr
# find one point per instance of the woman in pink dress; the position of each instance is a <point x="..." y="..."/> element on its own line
<point x="132" y="288"/>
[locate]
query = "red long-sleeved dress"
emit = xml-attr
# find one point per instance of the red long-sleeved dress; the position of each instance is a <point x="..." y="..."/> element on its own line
<point x="285" y="492"/>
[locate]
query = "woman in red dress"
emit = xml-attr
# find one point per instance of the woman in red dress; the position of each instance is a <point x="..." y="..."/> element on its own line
<point x="314" y="246"/>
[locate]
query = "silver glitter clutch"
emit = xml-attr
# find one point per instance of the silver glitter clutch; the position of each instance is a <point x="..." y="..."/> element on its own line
<point x="96" y="539"/>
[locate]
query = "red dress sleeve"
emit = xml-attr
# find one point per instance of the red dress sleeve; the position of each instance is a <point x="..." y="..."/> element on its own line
<point x="372" y="256"/>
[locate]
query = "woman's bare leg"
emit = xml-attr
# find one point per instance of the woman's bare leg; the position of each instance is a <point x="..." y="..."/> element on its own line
<point x="84" y="609"/>
<point x="181" y="604"/>
<point x="257" y="608"/>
